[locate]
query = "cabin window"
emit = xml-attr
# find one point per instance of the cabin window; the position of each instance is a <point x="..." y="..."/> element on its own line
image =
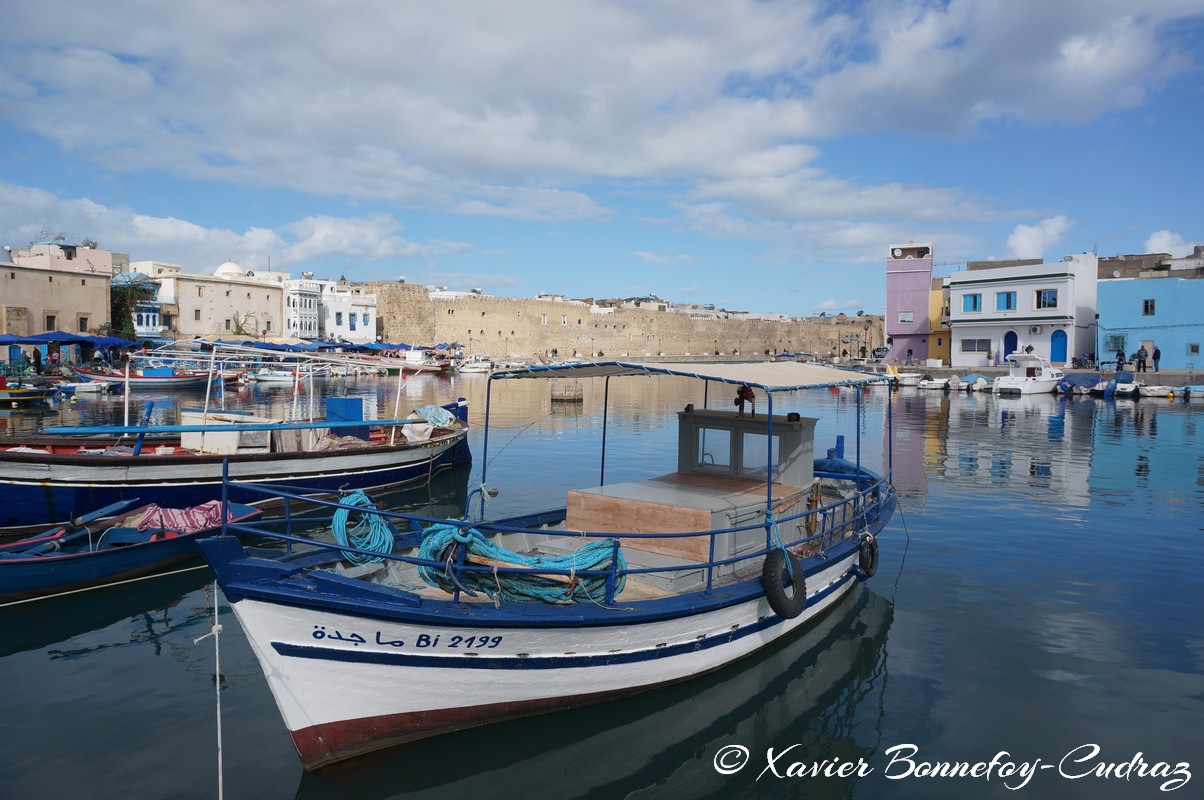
<point x="753" y="455"/>
<point x="976" y="345"/>
<point x="1047" y="298"/>
<point x="1005" y="301"/>
<point x="971" y="303"/>
<point x="714" y="450"/>
<point x="1147" y="307"/>
<point x="907" y="317"/>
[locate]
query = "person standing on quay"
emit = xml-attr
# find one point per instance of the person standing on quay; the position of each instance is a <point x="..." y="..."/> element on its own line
<point x="1141" y="356"/>
<point x="1157" y="357"/>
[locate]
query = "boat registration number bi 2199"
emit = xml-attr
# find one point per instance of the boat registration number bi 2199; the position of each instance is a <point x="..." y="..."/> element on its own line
<point x="422" y="640"/>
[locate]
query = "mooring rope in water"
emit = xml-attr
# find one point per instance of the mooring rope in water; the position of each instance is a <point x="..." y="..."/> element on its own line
<point x="369" y="532"/>
<point x="906" y="546"/>
<point x="439" y="544"/>
<point x="215" y="631"/>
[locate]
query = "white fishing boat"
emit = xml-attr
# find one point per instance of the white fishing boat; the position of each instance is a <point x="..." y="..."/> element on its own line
<point x="903" y="378"/>
<point x="939" y="384"/>
<point x="476" y="364"/>
<point x="1028" y="374"/>
<point x="1190" y="394"/>
<point x="1157" y="390"/>
<point x="283" y="374"/>
<point x="436" y="625"/>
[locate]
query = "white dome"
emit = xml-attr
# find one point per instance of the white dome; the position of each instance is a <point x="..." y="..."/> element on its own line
<point x="229" y="270"/>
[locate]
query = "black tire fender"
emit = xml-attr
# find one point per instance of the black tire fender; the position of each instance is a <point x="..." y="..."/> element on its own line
<point x="785" y="591"/>
<point x="867" y="556"/>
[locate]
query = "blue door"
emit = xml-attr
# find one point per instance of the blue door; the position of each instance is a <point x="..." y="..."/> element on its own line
<point x="1009" y="343"/>
<point x="1057" y="347"/>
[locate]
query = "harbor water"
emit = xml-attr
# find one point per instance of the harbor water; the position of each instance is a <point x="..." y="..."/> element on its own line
<point x="1033" y="628"/>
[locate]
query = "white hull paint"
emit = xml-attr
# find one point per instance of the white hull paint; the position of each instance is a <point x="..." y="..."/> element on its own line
<point x="326" y="688"/>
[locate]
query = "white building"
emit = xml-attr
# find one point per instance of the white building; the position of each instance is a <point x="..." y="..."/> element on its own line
<point x="1047" y="307"/>
<point x="303" y="307"/>
<point x="348" y="312"/>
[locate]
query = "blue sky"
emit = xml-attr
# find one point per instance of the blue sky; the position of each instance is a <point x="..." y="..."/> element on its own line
<point x="760" y="156"/>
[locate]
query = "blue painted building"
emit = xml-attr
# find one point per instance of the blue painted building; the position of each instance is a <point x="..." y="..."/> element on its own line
<point x="1162" y="312"/>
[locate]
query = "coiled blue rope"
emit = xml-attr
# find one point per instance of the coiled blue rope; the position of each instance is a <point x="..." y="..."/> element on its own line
<point x="369" y="532"/>
<point x="439" y="540"/>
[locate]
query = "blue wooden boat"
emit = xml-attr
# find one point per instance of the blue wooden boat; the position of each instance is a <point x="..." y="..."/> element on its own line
<point x="428" y="625"/>
<point x="12" y="394"/>
<point x="53" y="476"/>
<point x="101" y="549"/>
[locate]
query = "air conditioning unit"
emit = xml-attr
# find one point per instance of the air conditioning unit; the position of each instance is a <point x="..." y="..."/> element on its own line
<point x="1034" y="330"/>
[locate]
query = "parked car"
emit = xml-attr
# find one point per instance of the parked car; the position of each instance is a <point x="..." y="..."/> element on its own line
<point x="880" y="352"/>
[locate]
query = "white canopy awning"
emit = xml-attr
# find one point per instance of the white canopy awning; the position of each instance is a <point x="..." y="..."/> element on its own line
<point x="778" y="376"/>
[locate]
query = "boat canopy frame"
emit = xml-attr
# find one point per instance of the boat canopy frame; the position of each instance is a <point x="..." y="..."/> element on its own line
<point x="772" y="378"/>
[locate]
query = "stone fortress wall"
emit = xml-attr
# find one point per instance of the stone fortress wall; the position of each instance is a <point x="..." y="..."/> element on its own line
<point x="520" y="328"/>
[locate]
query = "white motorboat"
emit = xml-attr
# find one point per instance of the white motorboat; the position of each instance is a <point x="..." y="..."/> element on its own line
<point x="1028" y="374"/>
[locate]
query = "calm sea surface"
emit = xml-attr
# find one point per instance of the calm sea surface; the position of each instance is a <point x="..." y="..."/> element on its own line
<point x="1038" y="605"/>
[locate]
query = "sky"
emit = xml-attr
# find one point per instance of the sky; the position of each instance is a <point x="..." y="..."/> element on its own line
<point x="758" y="156"/>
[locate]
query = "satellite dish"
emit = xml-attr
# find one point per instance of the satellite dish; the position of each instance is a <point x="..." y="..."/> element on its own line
<point x="1115" y="273"/>
<point x="898" y="252"/>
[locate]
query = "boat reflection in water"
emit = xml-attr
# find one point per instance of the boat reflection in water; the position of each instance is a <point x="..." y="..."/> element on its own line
<point x="42" y="622"/>
<point x="816" y="691"/>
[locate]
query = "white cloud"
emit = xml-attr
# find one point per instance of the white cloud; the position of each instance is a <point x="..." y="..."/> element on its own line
<point x="650" y="258"/>
<point x="469" y="107"/>
<point x="1031" y="241"/>
<point x="337" y="240"/>
<point x="1169" y="242"/>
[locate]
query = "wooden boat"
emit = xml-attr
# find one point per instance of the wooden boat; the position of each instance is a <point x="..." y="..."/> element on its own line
<point x="83" y="387"/>
<point x="476" y="364"/>
<point x="50" y="477"/>
<point x="441" y="624"/>
<point x="99" y="550"/>
<point x="147" y="378"/>
<point x="283" y="374"/>
<point x="1028" y="374"/>
<point x="22" y="393"/>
